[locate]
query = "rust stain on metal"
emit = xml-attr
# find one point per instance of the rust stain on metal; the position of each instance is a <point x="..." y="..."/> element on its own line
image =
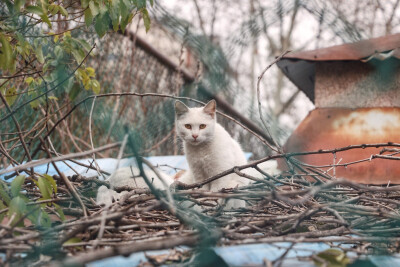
<point x="354" y="84"/>
<point x="353" y="51"/>
<point x="329" y="128"/>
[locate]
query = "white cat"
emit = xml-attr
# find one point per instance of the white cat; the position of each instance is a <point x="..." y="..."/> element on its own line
<point x="209" y="148"/>
<point x="128" y="177"/>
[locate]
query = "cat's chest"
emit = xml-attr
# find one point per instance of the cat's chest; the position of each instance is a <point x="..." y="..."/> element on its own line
<point x="205" y="163"/>
<point x="202" y="158"/>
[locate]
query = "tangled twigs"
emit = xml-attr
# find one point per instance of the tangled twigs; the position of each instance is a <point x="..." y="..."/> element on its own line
<point x="69" y="185"/>
<point x="170" y="242"/>
<point x="18" y="127"/>
<point x="337" y="211"/>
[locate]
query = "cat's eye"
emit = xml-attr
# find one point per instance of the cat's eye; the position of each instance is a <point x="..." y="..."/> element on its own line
<point x="188" y="126"/>
<point x="202" y="126"/>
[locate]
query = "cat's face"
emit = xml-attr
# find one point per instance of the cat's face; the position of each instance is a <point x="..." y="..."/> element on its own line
<point x="195" y="125"/>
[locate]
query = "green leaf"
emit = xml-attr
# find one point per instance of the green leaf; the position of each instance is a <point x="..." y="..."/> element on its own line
<point x="18" y="207"/>
<point x="45" y="5"/>
<point x="59" y="211"/>
<point x="29" y="80"/>
<point x="146" y="19"/>
<point x="63" y="11"/>
<point x="36" y="182"/>
<point x="333" y="258"/>
<point x="43" y="219"/>
<point x="54" y="9"/>
<point x="73" y="240"/>
<point x="53" y="98"/>
<point x="46" y="66"/>
<point x="34" y="104"/>
<point x="125" y="22"/>
<point x="102" y="8"/>
<point x="33" y="213"/>
<point x="45" y="18"/>
<point x="4" y="193"/>
<point x="6" y="54"/>
<point x="88" y="17"/>
<point x="16" y="185"/>
<point x="90" y="71"/>
<point x="11" y="95"/>
<point x="23" y="47"/>
<point x="102" y="24"/>
<point x="87" y="84"/>
<point x="48" y="177"/>
<point x="2" y="206"/>
<point x="84" y="3"/>
<point x="44" y="187"/>
<point x="35" y="10"/>
<point x="39" y="54"/>
<point x="84" y="44"/>
<point x="125" y="8"/>
<point x="95" y="86"/>
<point x="58" y="52"/>
<point x="115" y="14"/>
<point x="78" y="54"/>
<point x="141" y="4"/>
<point x="94" y="8"/>
<point x="38" y="216"/>
<point x="115" y="23"/>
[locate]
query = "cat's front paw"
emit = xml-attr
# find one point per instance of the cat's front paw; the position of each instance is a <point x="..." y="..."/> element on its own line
<point x="177" y="185"/>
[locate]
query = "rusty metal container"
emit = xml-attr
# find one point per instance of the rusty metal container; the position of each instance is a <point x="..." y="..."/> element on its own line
<point x="330" y="128"/>
<point x="356" y="91"/>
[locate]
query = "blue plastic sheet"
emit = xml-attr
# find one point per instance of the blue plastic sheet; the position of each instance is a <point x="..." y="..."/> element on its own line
<point x="168" y="164"/>
<point x="254" y="254"/>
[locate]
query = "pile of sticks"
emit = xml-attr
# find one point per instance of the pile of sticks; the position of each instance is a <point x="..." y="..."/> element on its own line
<point x="291" y="207"/>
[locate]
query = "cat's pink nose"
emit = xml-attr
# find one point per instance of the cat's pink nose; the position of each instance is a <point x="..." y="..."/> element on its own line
<point x="195" y="136"/>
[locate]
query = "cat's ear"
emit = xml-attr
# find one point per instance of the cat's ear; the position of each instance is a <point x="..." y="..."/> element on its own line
<point x="210" y="108"/>
<point x="180" y="108"/>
